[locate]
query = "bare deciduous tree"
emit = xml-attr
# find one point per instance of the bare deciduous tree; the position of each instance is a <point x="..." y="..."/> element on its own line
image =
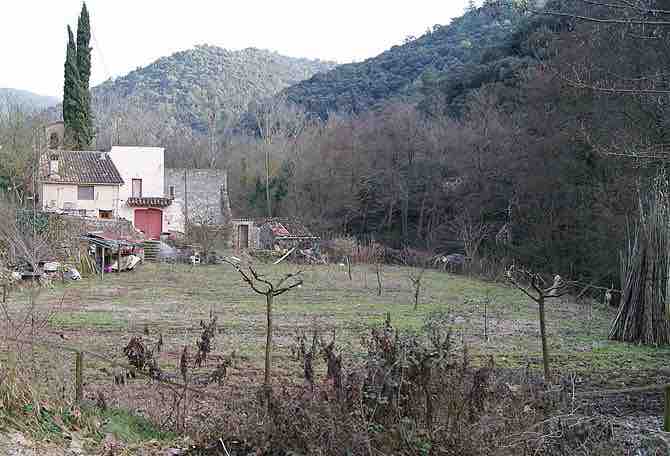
<point x="205" y="230"/>
<point x="538" y="292"/>
<point x="17" y="156"/>
<point x="472" y="233"/>
<point x="279" y="124"/>
<point x="417" y="267"/>
<point x="270" y="290"/>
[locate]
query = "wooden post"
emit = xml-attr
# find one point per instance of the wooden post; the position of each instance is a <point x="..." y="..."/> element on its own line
<point x="486" y="319"/>
<point x="543" y="335"/>
<point x="118" y="261"/>
<point x="268" y="343"/>
<point x="666" y="422"/>
<point x="349" y="267"/>
<point x="102" y="268"/>
<point x="78" y="378"/>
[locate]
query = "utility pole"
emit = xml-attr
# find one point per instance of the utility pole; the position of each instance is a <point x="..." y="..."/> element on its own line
<point x="267" y="178"/>
<point x="212" y="124"/>
<point x="186" y="202"/>
<point x="36" y="164"/>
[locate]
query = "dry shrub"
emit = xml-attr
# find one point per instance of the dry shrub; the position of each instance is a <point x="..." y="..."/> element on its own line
<point x="416" y="258"/>
<point x="413" y="394"/>
<point x="338" y="249"/>
<point x="143" y="356"/>
<point x="368" y="254"/>
<point x="37" y="392"/>
<point x="206" y="341"/>
<point x="489" y="268"/>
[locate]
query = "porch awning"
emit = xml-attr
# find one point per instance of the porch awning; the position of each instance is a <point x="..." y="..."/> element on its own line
<point x="148" y="201"/>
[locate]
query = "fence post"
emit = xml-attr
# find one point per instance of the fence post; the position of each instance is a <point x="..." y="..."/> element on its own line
<point x="666" y="422"/>
<point x="78" y="378"/>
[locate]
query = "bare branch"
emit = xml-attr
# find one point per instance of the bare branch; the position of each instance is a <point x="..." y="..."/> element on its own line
<point x="621" y="21"/>
<point x="285" y="289"/>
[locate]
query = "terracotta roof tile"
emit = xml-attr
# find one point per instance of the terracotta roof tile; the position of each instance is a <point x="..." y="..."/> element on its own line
<point x="148" y="201"/>
<point x="80" y="167"/>
<point x="282" y="227"/>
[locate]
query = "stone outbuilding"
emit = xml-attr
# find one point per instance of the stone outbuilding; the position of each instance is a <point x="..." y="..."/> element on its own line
<point x="285" y="234"/>
<point x="245" y="234"/>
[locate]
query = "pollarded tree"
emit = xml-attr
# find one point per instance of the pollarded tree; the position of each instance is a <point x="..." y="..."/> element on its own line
<point x="262" y="286"/>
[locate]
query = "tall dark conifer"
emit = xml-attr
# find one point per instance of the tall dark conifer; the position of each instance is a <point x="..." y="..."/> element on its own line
<point x="83" y="47"/>
<point x="84" y="68"/>
<point x="72" y="102"/>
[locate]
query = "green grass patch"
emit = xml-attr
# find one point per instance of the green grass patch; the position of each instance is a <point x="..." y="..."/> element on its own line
<point x="131" y="428"/>
<point x="88" y="319"/>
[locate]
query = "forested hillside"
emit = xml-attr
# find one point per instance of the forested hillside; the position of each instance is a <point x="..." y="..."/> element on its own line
<point x="31" y="101"/>
<point x="183" y="83"/>
<point x="478" y="39"/>
<point x="529" y="146"/>
<point x="537" y="131"/>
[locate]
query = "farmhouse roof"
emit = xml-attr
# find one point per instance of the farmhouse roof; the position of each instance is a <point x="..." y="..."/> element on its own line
<point x="287" y="228"/>
<point x="79" y="167"/>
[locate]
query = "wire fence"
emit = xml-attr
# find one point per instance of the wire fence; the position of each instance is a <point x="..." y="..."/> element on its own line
<point x="79" y="367"/>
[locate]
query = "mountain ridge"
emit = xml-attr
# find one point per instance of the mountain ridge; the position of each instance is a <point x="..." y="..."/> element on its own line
<point x="403" y="70"/>
<point x="26" y="98"/>
<point x="184" y="80"/>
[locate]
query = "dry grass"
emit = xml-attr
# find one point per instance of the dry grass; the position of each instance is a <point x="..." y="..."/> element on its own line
<point x="173" y="299"/>
<point x="102" y="316"/>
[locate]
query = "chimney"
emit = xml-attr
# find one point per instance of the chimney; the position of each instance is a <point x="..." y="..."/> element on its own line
<point x="53" y="166"/>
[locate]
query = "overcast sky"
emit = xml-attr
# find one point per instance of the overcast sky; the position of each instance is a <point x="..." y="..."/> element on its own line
<point x="131" y="33"/>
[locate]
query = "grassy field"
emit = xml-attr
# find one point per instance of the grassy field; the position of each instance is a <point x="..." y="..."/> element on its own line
<point x="172" y="299"/>
<point x="102" y="315"/>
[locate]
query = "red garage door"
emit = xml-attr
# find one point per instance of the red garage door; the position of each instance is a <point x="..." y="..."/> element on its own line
<point x="150" y="221"/>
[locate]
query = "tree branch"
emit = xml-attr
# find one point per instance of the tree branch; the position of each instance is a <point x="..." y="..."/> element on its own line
<point x="603" y="20"/>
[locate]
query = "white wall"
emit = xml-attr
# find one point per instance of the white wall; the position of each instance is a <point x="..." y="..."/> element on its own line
<point x="146" y="163"/>
<point x="106" y="197"/>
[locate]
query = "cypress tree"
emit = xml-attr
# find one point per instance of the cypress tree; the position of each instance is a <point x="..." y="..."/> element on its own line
<point x="77" y="114"/>
<point x="72" y="94"/>
<point x="83" y="48"/>
<point x="84" y="68"/>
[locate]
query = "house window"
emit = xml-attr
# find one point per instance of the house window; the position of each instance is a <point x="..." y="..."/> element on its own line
<point x="86" y="192"/>
<point x="105" y="214"/>
<point x="137" y="188"/>
<point x="172" y="191"/>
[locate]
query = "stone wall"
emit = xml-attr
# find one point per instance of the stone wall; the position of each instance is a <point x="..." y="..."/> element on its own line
<point x="65" y="230"/>
<point x="62" y="234"/>
<point x="253" y="230"/>
<point x="121" y="227"/>
<point x="203" y="193"/>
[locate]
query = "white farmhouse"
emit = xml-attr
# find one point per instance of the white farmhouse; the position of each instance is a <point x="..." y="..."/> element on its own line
<point x="141" y="196"/>
<point x="84" y="183"/>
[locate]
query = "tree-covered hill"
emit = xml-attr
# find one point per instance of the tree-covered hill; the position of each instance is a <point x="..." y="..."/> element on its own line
<point x="28" y="100"/>
<point x="478" y="38"/>
<point x="183" y="83"/>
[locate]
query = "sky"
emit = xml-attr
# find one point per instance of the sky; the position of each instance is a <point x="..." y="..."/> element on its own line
<point x="127" y="34"/>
